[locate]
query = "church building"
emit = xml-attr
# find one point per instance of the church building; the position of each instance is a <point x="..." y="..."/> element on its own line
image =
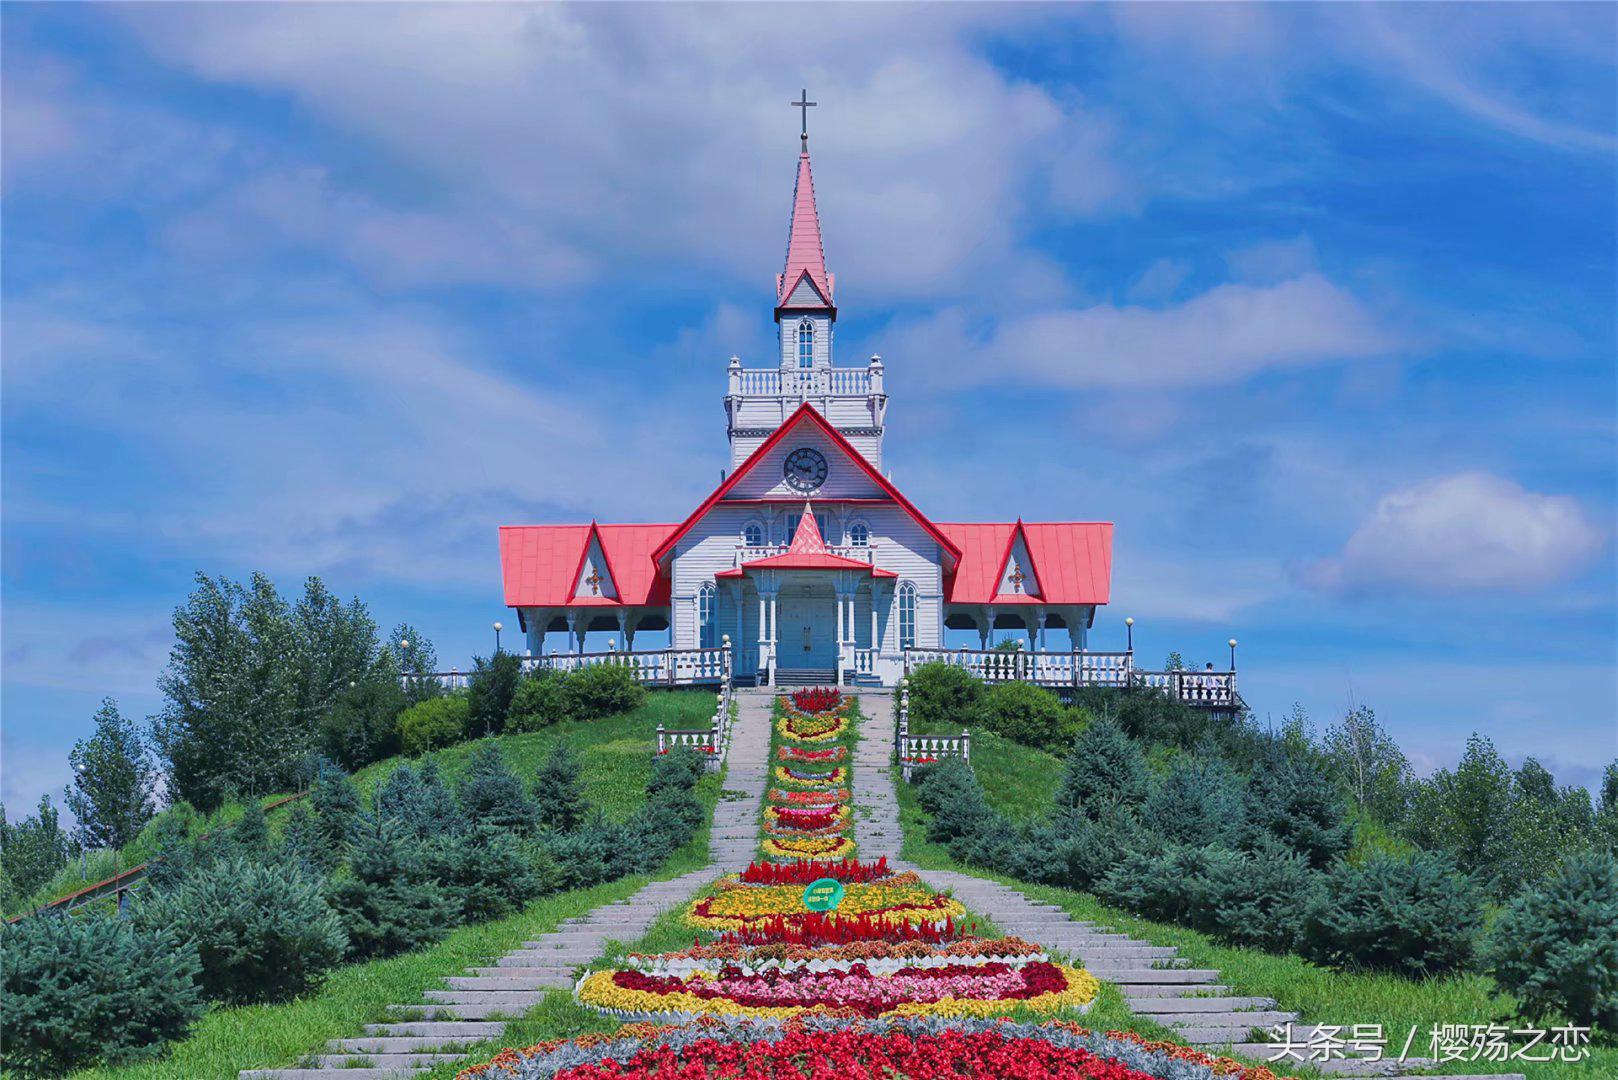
<point x="807" y="559"/>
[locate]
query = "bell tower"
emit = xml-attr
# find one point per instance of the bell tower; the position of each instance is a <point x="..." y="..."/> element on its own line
<point x="805" y="317"/>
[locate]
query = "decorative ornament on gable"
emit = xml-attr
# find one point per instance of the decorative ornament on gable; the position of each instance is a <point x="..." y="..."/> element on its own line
<point x="1016" y="577"/>
<point x="594" y="581"/>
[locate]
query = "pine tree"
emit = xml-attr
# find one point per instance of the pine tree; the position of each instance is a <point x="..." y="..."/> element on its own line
<point x="559" y="791"/>
<point x="112" y="782"/>
<point x="336" y="803"/>
<point x="300" y="839"/>
<point x="491" y="793"/>
<point x="1199" y="802"/>
<point x="1291" y="799"/>
<point x="250" y="837"/>
<point x="391" y="903"/>
<point x="1104" y="771"/>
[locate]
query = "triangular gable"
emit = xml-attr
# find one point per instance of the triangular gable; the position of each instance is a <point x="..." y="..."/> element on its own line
<point x="807" y="413"/>
<point x="1018" y="577"/>
<point x="595" y="579"/>
<point x="804" y="293"/>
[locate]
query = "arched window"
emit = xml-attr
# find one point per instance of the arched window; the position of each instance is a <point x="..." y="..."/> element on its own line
<point x="753" y="534"/>
<point x="708" y="616"/>
<point x="859" y="534"/>
<point x="806" y="344"/>
<point x="907" y="614"/>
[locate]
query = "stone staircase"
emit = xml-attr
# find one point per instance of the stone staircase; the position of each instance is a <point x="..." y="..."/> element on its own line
<point x="1156" y="982"/>
<point x="472" y="1007"/>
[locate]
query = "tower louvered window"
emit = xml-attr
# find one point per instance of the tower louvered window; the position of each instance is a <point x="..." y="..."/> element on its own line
<point x="806" y="344"/>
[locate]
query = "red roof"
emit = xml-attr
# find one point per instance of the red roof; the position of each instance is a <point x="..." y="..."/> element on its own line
<point x="804" y="252"/>
<point x="541" y="563"/>
<point x="807" y="551"/>
<point x="807" y="413"/>
<point x="1072" y="561"/>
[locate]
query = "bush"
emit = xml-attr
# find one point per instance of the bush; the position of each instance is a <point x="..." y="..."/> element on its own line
<point x="541" y="700"/>
<point x="1105" y="771"/>
<point x="336" y="803"/>
<point x="1031" y="715"/>
<point x="491" y="793"/>
<point x="262" y="933"/>
<point x="428" y="725"/>
<point x="1413" y="916"/>
<point x="943" y="694"/>
<point x="489" y="692"/>
<point x="250" y="836"/>
<point x="1076" y="852"/>
<point x="418" y="801"/>
<point x="603" y="690"/>
<point x="362" y="726"/>
<point x="483" y="869"/>
<point x="954" y="802"/>
<point x="1169" y="884"/>
<point x="1556" y="947"/>
<point x="88" y="989"/>
<point x="1293" y="800"/>
<point x="559" y="791"/>
<point x="392" y="903"/>
<point x="1259" y="899"/>
<point x="1198" y="803"/>
<point x="300" y="840"/>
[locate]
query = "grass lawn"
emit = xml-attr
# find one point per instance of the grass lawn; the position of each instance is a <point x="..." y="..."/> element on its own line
<point x="1316" y="993"/>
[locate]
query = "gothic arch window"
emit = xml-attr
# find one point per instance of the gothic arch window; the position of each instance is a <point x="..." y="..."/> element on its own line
<point x="753" y="534"/>
<point x="806" y="344"/>
<point x="708" y="616"/>
<point x="859" y="534"/>
<point x="907" y="614"/>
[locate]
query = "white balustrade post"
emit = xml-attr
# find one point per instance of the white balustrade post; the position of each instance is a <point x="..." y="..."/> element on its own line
<point x="660" y="746"/>
<point x="966" y="745"/>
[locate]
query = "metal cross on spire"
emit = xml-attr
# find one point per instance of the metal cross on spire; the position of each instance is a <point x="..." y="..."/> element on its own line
<point x="803" y="105"/>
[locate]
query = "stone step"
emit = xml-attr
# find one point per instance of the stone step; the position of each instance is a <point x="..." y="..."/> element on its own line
<point x="1242" y="1020"/>
<point x="400" y="1044"/>
<point x="397" y="1061"/>
<point x="544" y="961"/>
<point x="1152" y="1005"/>
<point x="469" y="1029"/>
<point x="1223" y="1034"/>
<point x="1157" y="990"/>
<point x="509" y="981"/>
<point x="514" y="999"/>
<point x="444" y="1011"/>
<point x="1161" y="975"/>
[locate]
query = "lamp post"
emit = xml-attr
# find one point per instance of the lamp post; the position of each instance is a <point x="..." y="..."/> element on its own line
<point x="1233" y="654"/>
<point x="1129" y="628"/>
<point x="497" y="628"/>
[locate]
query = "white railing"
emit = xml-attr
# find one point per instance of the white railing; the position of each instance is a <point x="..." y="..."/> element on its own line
<point x="655" y="667"/>
<point x="712" y="742"/>
<point x="1208" y="689"/>
<point x="864" y="661"/>
<point x="746" y="553"/>
<point x="915" y="751"/>
<point x="793" y="382"/>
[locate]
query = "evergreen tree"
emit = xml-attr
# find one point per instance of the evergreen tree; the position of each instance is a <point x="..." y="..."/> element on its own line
<point x="1105" y="771"/>
<point x="1198" y="803"/>
<point x="490" y="793"/>
<point x="112" y="782"/>
<point x="33" y="850"/>
<point x="489" y="693"/>
<point x="336" y="803"/>
<point x="391" y="903"/>
<point x="1556" y="947"/>
<point x="250" y="837"/>
<point x="300" y="839"/>
<point x="1291" y="799"/>
<point x="484" y="870"/>
<point x="559" y="791"/>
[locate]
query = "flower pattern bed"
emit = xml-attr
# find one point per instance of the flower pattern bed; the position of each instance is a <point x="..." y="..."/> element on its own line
<point x="809" y="847"/>
<point x="800" y="753"/>
<point x="815" y="928"/>
<point x="901" y="898"/>
<point x="809" y="796"/>
<point x="762" y="873"/>
<point x="803" y="728"/>
<point x="791" y="777"/>
<point x="807" y="818"/>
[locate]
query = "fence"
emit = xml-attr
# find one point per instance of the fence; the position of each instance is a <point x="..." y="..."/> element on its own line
<point x="914" y="751"/>
<point x="1057" y="670"/>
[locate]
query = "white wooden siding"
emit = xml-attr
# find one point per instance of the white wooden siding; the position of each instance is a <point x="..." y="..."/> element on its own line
<point x="844" y="479"/>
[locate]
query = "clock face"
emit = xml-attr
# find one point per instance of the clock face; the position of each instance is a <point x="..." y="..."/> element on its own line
<point x="804" y="469"/>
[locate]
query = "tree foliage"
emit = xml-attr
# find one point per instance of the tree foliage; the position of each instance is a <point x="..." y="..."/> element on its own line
<point x="1556" y="947"/>
<point x="112" y="781"/>
<point x="1369" y="766"/>
<point x="489" y="692"/>
<point x="34" y="849"/>
<point x="1417" y="916"/>
<point x="1105" y="771"/>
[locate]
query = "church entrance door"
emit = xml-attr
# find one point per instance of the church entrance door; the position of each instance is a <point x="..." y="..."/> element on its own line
<point x="807" y="632"/>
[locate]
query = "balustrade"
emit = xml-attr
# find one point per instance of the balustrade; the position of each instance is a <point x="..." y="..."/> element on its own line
<point x="1208" y="689"/>
<point x="914" y="751"/>
<point x="793" y="382"/>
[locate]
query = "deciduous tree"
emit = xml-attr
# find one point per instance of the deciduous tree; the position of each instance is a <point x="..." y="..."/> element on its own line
<point x="112" y="781"/>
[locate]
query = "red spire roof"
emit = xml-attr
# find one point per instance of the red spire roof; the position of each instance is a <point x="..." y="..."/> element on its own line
<point x="807" y="540"/>
<point x="804" y="252"/>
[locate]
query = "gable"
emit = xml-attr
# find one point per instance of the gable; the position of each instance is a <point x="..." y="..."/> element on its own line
<point x="805" y="294"/>
<point x="1017" y="575"/>
<point x="846" y="477"/>
<point x="1071" y="560"/>
<point x="545" y="565"/>
<point x="594" y="579"/>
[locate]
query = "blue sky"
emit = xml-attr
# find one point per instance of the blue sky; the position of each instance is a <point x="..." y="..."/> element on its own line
<point x="1315" y="303"/>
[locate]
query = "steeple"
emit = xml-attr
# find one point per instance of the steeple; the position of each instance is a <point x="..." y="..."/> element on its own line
<point x="804" y="285"/>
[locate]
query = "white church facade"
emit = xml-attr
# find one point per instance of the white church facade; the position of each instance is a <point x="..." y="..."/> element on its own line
<point x="806" y="560"/>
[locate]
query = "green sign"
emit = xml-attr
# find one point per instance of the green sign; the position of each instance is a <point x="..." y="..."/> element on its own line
<point x="823" y="895"/>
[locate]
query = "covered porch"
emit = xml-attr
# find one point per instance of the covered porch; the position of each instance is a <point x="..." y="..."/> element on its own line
<point x="801" y="627"/>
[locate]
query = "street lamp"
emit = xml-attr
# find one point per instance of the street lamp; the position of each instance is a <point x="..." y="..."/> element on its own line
<point x="497" y="628"/>
<point x="1233" y="654"/>
<point x="1129" y="628"/>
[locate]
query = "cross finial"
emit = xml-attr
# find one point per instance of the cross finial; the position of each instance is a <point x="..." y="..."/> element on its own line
<point x="803" y="105"/>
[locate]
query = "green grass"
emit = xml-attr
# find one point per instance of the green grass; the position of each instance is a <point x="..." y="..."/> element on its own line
<point x="1316" y="993"/>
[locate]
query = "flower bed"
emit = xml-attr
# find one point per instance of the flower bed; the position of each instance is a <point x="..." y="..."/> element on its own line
<point x="881" y="957"/>
<point x="807" y="818"/>
<point x="809" y="796"/>
<point x="966" y="989"/>
<point x="815" y="928"/>
<point x="762" y="873"/>
<point x="808" y="847"/>
<point x="901" y="898"/>
<point x="817" y="699"/>
<point x="791" y="777"/>
<point x="801" y="728"/>
<point x="814" y="1047"/>
<point x="804" y="753"/>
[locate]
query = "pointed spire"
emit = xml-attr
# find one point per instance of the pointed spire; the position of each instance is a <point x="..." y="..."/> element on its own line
<point x="804" y="252"/>
<point x="807" y="540"/>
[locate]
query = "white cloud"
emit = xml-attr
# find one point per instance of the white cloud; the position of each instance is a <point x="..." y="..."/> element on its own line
<point x="1160" y="280"/>
<point x="1273" y="260"/>
<point x="1463" y="533"/>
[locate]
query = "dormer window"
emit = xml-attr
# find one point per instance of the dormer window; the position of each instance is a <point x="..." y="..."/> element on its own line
<point x="859" y="534"/>
<point x="806" y="344"/>
<point x="753" y="534"/>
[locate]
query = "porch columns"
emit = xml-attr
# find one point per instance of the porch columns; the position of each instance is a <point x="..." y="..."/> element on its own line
<point x="840" y="613"/>
<point x="763" y="632"/>
<point x="623" y="628"/>
<point x="774" y="630"/>
<point x="574" y="633"/>
<point x="876" y="639"/>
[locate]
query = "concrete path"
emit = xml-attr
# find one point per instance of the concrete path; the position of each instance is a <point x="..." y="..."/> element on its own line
<point x="470" y="1008"/>
<point x="1155" y="980"/>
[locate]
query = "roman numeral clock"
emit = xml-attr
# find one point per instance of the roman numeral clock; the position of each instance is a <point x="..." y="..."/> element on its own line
<point x="805" y="469"/>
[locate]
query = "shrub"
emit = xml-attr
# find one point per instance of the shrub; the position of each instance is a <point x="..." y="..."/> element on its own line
<point x="417" y="800"/>
<point x="1556" y="947"/>
<point x="1148" y="715"/>
<point x="1293" y="800"/>
<point x="603" y="690"/>
<point x="489" y="692"/>
<point x="88" y="989"/>
<point x="944" y="694"/>
<point x="1169" y="884"/>
<point x="1105" y="771"/>
<point x="483" y="869"/>
<point x="391" y="903"/>
<point x="362" y="726"/>
<point x="588" y="855"/>
<point x="1414" y="916"/>
<point x="954" y="802"/>
<point x="1257" y="900"/>
<point x="559" y="791"/>
<point x="262" y="933"/>
<point x="1076" y="852"/>
<point x="300" y="840"/>
<point x="336" y="803"/>
<point x="250" y="836"/>
<point x="1199" y="802"/>
<point x="438" y="721"/>
<point x="490" y="793"/>
<point x="541" y="700"/>
<point x="1031" y="715"/>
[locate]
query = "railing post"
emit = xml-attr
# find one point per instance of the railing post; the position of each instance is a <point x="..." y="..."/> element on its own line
<point x="966" y="745"/>
<point x="660" y="746"/>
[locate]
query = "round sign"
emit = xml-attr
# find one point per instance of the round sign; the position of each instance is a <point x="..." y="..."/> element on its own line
<point x="823" y="895"/>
